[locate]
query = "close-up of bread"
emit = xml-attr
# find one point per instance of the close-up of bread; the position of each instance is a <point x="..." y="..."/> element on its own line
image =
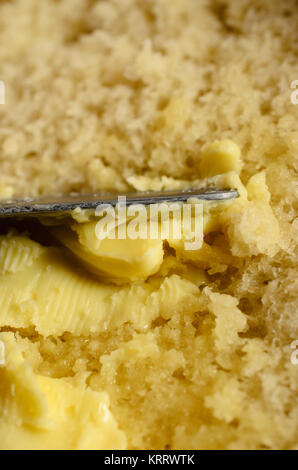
<point x="143" y="344"/>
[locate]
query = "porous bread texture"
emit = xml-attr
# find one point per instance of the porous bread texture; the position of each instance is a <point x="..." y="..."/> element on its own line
<point x="100" y="91"/>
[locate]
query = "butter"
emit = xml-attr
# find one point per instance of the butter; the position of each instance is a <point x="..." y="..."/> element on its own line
<point x="220" y="157"/>
<point x="117" y="260"/>
<point x="44" y="413"/>
<point x="55" y="296"/>
<point x="130" y="260"/>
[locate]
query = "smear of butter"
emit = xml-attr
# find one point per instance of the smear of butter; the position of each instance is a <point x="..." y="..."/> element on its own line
<point x="55" y="296"/>
<point x="117" y="260"/>
<point x="128" y="260"/>
<point x="220" y="157"/>
<point x="48" y="413"/>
